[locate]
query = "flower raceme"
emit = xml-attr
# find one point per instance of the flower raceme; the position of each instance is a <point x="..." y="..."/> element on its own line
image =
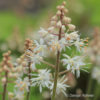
<point x="61" y="34"/>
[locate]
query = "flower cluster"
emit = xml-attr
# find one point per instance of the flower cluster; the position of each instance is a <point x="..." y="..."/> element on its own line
<point x="61" y="34"/>
<point x="8" y="72"/>
<point x="56" y="38"/>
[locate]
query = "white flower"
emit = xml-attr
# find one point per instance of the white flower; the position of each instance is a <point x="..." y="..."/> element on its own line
<point x="79" y="44"/>
<point x="61" y="86"/>
<point x="54" y="45"/>
<point x="42" y="79"/>
<point x="96" y="74"/>
<point x="22" y="85"/>
<point x="73" y="64"/>
<point x="35" y="59"/>
<point x="40" y="47"/>
<point x="43" y="32"/>
<point x="19" y="95"/>
<point x="68" y="38"/>
<point x="63" y="44"/>
<point x="51" y="29"/>
<point x="74" y="35"/>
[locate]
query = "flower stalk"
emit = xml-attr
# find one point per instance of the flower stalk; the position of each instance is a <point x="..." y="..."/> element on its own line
<point x="57" y="64"/>
<point x="5" y="86"/>
<point x="29" y="77"/>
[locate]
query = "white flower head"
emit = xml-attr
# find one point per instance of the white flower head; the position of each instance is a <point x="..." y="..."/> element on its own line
<point x="43" y="32"/>
<point x="61" y="86"/>
<point x="54" y="45"/>
<point x="19" y="95"/>
<point x="74" y="35"/>
<point x="35" y="59"/>
<point x="22" y="85"/>
<point x="79" y="44"/>
<point x="73" y="64"/>
<point x="63" y="44"/>
<point x="40" y="47"/>
<point x="42" y="79"/>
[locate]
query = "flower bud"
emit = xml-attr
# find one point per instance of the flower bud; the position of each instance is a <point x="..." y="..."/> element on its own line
<point x="18" y="60"/>
<point x="13" y="69"/>
<point x="51" y="29"/>
<point x="62" y="7"/>
<point x="10" y="75"/>
<point x="5" y="68"/>
<point x="65" y="10"/>
<point x="19" y="68"/>
<point x="10" y="94"/>
<point x="53" y="23"/>
<point x="64" y="3"/>
<point x="3" y="80"/>
<point x="58" y="13"/>
<point x="59" y="7"/>
<point x="66" y="19"/>
<point x="15" y="75"/>
<point x="24" y="64"/>
<point x="54" y="18"/>
<point x="63" y="28"/>
<point x="59" y="24"/>
<point x="71" y="27"/>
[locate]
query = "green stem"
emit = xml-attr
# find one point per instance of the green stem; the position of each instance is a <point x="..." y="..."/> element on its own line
<point x="97" y="93"/>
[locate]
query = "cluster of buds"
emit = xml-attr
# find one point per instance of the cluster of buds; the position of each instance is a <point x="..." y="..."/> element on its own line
<point x="7" y="68"/>
<point x="8" y="72"/>
<point x="60" y="20"/>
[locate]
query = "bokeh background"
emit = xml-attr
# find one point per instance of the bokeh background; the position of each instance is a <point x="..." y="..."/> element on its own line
<point x="20" y="19"/>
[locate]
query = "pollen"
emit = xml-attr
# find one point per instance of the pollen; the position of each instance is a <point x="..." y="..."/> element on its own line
<point x="68" y="38"/>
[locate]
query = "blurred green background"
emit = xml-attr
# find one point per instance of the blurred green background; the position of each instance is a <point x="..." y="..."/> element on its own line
<point x="20" y="19"/>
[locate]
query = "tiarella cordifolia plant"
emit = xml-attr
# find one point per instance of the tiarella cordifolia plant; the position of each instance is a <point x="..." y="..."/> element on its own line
<point x="60" y="35"/>
<point x="8" y="73"/>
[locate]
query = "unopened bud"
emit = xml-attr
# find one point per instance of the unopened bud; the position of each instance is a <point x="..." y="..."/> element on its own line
<point x="50" y="29"/>
<point x="5" y="68"/>
<point x="65" y="10"/>
<point x="15" y="75"/>
<point x="10" y="75"/>
<point x="59" y="7"/>
<point x="71" y="27"/>
<point x="58" y="13"/>
<point x="63" y="28"/>
<point x="24" y="64"/>
<point x="54" y="18"/>
<point x="59" y="24"/>
<point x="64" y="3"/>
<point x="18" y="60"/>
<point x="62" y="7"/>
<point x="66" y="19"/>
<point x="19" y="68"/>
<point x="10" y="94"/>
<point x="53" y="23"/>
<point x="4" y="80"/>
